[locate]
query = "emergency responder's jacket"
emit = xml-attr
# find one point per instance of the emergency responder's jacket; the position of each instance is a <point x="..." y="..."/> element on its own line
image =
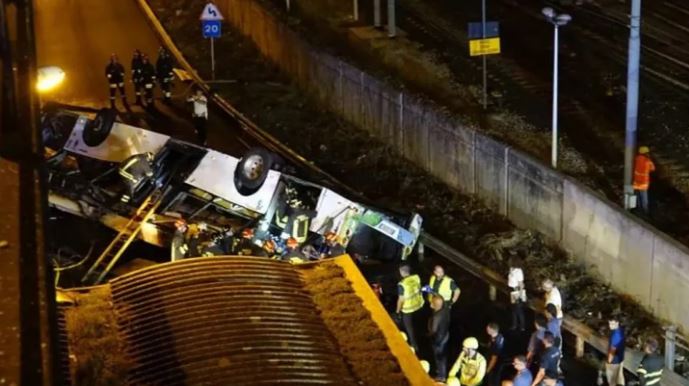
<point x="650" y="370"/>
<point x="135" y="168"/>
<point x="471" y="370"/>
<point x="114" y="71"/>
<point x="137" y="66"/>
<point x="148" y="73"/>
<point x="413" y="300"/>
<point x="444" y="289"/>
<point x="164" y="67"/>
<point x="643" y="166"/>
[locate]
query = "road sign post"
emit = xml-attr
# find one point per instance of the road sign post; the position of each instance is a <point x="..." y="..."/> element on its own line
<point x="211" y="27"/>
<point x="484" y="40"/>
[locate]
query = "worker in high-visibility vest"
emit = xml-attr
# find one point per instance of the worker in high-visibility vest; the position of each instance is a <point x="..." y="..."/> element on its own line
<point x="409" y="301"/>
<point x="470" y="365"/>
<point x="444" y="286"/>
<point x="643" y="167"/>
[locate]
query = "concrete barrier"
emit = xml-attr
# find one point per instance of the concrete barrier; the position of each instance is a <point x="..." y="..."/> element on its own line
<point x="631" y="256"/>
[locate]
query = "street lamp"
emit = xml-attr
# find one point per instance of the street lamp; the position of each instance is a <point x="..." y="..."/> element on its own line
<point x="557" y="20"/>
<point x="48" y="78"/>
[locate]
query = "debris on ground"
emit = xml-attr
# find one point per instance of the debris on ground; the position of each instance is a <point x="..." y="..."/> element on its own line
<point x="364" y="346"/>
<point x="345" y="151"/>
<point x="97" y="352"/>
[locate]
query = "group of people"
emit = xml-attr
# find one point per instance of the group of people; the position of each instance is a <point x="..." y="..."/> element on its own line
<point x="143" y="77"/>
<point x="538" y="365"/>
<point x="193" y="240"/>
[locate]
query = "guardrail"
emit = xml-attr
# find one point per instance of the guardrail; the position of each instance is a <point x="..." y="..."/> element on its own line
<point x="584" y="335"/>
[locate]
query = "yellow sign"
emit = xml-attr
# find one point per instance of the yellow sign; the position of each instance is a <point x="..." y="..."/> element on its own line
<point x="484" y="46"/>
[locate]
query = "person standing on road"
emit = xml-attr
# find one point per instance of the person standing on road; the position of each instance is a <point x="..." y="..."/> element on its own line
<point x="496" y="360"/>
<point x="550" y="360"/>
<point x="164" y="66"/>
<point x="643" y="167"/>
<point x="515" y="280"/>
<point x="614" y="365"/>
<point x="443" y="285"/>
<point x="523" y="376"/>
<point x="439" y="332"/>
<point x="200" y="115"/>
<point x="148" y="77"/>
<point x="650" y="371"/>
<point x="114" y="71"/>
<point x="409" y="301"/>
<point x="137" y="67"/>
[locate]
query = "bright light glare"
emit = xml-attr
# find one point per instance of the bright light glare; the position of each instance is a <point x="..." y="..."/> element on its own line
<point x="49" y="78"/>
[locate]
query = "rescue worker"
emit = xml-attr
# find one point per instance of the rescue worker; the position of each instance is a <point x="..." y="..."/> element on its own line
<point x="164" y="66"/>
<point x="246" y="246"/>
<point x="439" y="331"/>
<point x="536" y="341"/>
<point x="470" y="365"/>
<point x="497" y="359"/>
<point x="553" y="296"/>
<point x="292" y="252"/>
<point x="409" y="301"/>
<point x="199" y="116"/>
<point x="268" y="249"/>
<point x="331" y="247"/>
<point x="114" y="71"/>
<point x="137" y="67"/>
<point x="550" y="360"/>
<point x="134" y="171"/>
<point x="643" y="166"/>
<point x="651" y="368"/>
<point x="444" y="286"/>
<point x="148" y="77"/>
<point x="179" y="246"/>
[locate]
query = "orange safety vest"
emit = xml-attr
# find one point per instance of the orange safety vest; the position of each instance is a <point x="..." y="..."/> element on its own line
<point x="643" y="166"/>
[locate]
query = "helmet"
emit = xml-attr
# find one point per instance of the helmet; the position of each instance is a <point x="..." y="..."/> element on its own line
<point x="247" y="233"/>
<point x="425" y="365"/>
<point x="452" y="381"/>
<point x="643" y="150"/>
<point x="292" y="242"/>
<point x="471" y="343"/>
<point x="269" y="246"/>
<point x="330" y="236"/>
<point x="180" y="224"/>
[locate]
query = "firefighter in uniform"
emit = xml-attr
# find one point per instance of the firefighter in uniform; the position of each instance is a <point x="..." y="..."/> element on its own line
<point x="332" y="247"/>
<point x="179" y="245"/>
<point x="292" y="252"/>
<point x="444" y="286"/>
<point x="114" y="71"/>
<point x="470" y="365"/>
<point x="246" y="246"/>
<point x="650" y="370"/>
<point x="137" y="67"/>
<point x="409" y="301"/>
<point x="643" y="166"/>
<point x="164" y="67"/>
<point x="148" y="77"/>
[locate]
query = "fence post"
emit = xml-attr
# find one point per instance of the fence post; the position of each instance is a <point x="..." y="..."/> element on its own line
<point x="670" y="340"/>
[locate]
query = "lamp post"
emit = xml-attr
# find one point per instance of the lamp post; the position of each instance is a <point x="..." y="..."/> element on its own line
<point x="557" y="20"/>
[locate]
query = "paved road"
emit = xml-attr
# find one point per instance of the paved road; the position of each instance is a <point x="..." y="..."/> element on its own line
<point x="79" y="37"/>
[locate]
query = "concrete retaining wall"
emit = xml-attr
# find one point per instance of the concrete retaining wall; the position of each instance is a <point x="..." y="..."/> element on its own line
<point x="633" y="257"/>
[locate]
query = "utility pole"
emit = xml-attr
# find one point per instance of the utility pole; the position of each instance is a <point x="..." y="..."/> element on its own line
<point x="632" y="101"/>
<point x="485" y="69"/>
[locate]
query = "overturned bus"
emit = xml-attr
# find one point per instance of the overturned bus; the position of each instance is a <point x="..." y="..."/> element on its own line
<point x="104" y="170"/>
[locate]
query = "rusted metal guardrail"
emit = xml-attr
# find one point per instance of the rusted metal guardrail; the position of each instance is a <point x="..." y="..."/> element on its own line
<point x="583" y="334"/>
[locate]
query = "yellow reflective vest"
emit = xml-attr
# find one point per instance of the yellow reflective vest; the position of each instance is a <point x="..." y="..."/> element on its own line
<point x="471" y="370"/>
<point x="413" y="300"/>
<point x="444" y="289"/>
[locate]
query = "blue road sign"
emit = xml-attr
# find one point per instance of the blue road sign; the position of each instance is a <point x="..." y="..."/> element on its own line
<point x="476" y="30"/>
<point x="211" y="28"/>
